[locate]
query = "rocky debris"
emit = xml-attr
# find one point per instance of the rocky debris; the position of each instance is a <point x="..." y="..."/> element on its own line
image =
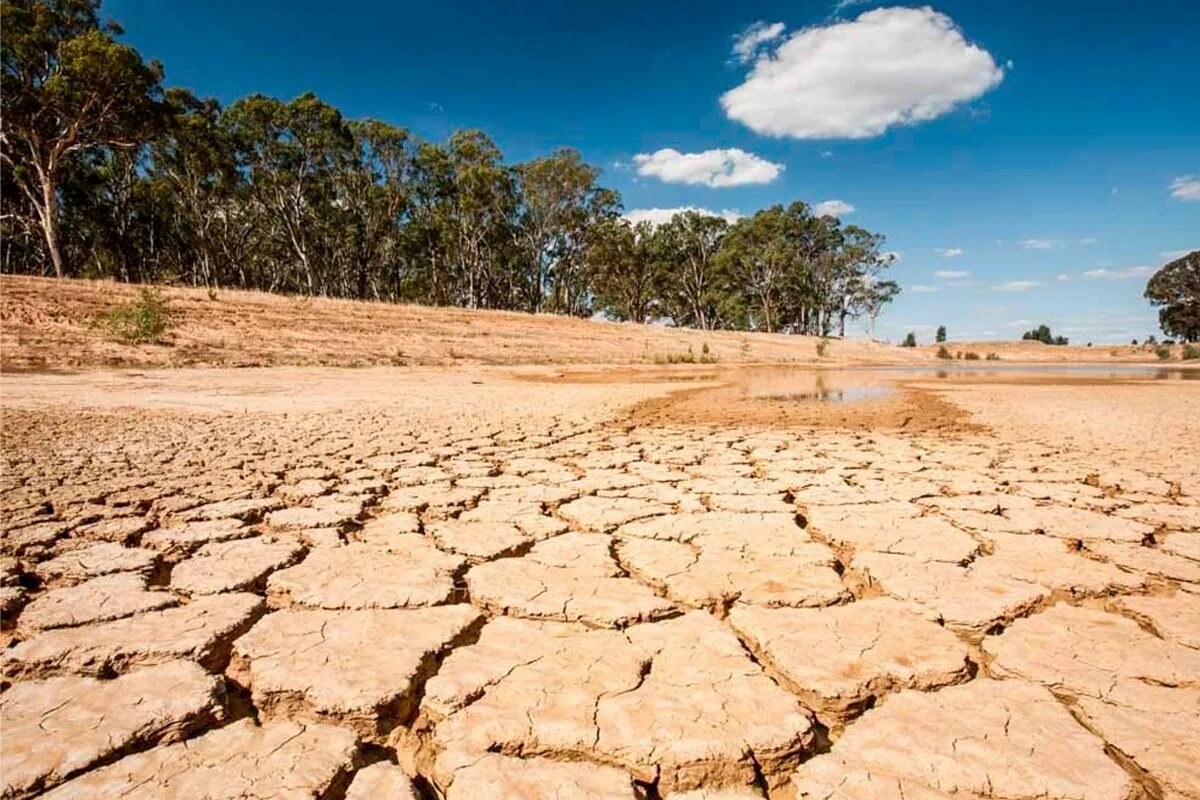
<point x="232" y="566"/>
<point x="177" y="541"/>
<point x="105" y="558"/>
<point x="1082" y="650"/>
<point x="109" y="597"/>
<point x="1175" y="618"/>
<point x="382" y="781"/>
<point x="842" y="660"/>
<point x="498" y="776"/>
<point x="284" y="760"/>
<point x="678" y="702"/>
<point x="479" y="541"/>
<point x="54" y="729"/>
<point x="983" y="739"/>
<point x="571" y="578"/>
<point x="408" y="573"/>
<point x="361" y="669"/>
<point x="200" y="631"/>
<point x="605" y="513"/>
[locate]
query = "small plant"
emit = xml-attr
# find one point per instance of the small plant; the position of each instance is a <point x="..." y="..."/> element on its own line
<point x="822" y="348"/>
<point x="942" y="352"/>
<point x="677" y="358"/>
<point x="993" y="356"/>
<point x="1163" y="353"/>
<point x="971" y="356"/>
<point x="706" y="355"/>
<point x="1191" y="352"/>
<point x="140" y="321"/>
<point x="212" y="293"/>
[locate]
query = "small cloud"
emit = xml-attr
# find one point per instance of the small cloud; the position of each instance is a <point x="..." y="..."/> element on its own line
<point x="1063" y="277"/>
<point x="438" y="107"/>
<point x="833" y="208"/>
<point x="1088" y="240"/>
<point x="657" y="216"/>
<point x="1020" y="323"/>
<point x="923" y="289"/>
<point x="826" y="154"/>
<point x="1040" y="244"/>
<point x="1016" y="286"/>
<point x="842" y="5"/>
<point x="713" y="168"/>
<point x="949" y="252"/>
<point x="1186" y="187"/>
<point x="1118" y="274"/>
<point x="951" y="274"/>
<point x="749" y="43"/>
<point x="1171" y="255"/>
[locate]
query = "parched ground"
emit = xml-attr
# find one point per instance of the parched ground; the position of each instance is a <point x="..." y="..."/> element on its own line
<point x="523" y="583"/>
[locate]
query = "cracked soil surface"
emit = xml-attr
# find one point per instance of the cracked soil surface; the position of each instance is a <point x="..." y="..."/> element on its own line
<point x="464" y="583"/>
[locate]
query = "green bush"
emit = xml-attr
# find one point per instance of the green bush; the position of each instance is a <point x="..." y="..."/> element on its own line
<point x="971" y="356"/>
<point x="1163" y="353"/>
<point x="1191" y="352"/>
<point x="910" y="340"/>
<point x="942" y="352"/>
<point x="139" y="321"/>
<point x="993" y="356"/>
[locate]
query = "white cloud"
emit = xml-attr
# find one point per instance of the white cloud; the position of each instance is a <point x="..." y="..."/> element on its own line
<point x="1171" y="255"/>
<point x="856" y="79"/>
<point x="1088" y="240"/>
<point x="1016" y="286"/>
<point x="748" y="43"/>
<point x="923" y="289"/>
<point x="949" y="252"/>
<point x="1118" y="274"/>
<point x="715" y="168"/>
<point x="1186" y="187"/>
<point x="951" y="274"/>
<point x="1020" y="323"/>
<point x="1063" y="278"/>
<point x="1040" y="244"/>
<point x="826" y="154"/>
<point x="657" y="216"/>
<point x="833" y="208"/>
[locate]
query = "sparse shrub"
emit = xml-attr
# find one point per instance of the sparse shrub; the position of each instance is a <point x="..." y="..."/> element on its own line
<point x="1191" y="352"/>
<point x="139" y="321"/>
<point x="993" y="356"/>
<point x="971" y="356"/>
<point x="822" y="348"/>
<point x="1163" y="353"/>
<point x="677" y="358"/>
<point x="706" y="355"/>
<point x="1134" y="343"/>
<point x="910" y="340"/>
<point x="212" y="293"/>
<point x="942" y="352"/>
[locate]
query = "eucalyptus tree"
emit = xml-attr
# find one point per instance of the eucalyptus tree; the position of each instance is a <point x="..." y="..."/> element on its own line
<point x="694" y="289"/>
<point x="624" y="269"/>
<point x="1175" y="289"/>
<point x="757" y="255"/>
<point x="67" y="88"/>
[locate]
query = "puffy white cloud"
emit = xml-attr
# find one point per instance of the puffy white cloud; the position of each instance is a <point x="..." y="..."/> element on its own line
<point x="715" y="168"/>
<point x="1016" y="286"/>
<point x="856" y="79"/>
<point x="923" y="289"/>
<point x="1118" y="274"/>
<point x="1186" y="187"/>
<point x="1040" y="244"/>
<point x="949" y="252"/>
<point x="748" y="43"/>
<point x="657" y="216"/>
<point x="951" y="274"/>
<point x="833" y="208"/>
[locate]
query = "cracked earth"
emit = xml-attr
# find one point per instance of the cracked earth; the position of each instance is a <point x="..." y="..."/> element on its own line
<point x="390" y="584"/>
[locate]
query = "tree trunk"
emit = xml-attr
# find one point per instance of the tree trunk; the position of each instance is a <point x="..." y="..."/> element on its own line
<point x="50" y="225"/>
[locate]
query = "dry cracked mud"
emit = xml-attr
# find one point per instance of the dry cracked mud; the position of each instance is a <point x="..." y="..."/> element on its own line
<point x="465" y="584"/>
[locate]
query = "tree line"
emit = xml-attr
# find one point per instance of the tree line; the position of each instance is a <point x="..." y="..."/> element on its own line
<point x="109" y="174"/>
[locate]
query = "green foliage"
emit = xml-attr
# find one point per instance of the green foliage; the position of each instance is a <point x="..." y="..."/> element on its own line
<point x="910" y="340"/>
<point x="1175" y="290"/>
<point x="1191" y="352"/>
<point x="942" y="352"/>
<point x="140" y="321"/>
<point x="1163" y="352"/>
<point x="970" y="356"/>
<point x="1042" y="334"/>
<point x="941" y="334"/>
<point x="993" y="356"/>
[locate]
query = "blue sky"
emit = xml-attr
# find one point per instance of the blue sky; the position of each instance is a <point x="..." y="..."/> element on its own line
<point x="1046" y="141"/>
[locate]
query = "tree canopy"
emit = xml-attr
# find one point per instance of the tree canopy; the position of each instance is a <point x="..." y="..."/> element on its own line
<point x="106" y="174"/>
<point x="1175" y="290"/>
